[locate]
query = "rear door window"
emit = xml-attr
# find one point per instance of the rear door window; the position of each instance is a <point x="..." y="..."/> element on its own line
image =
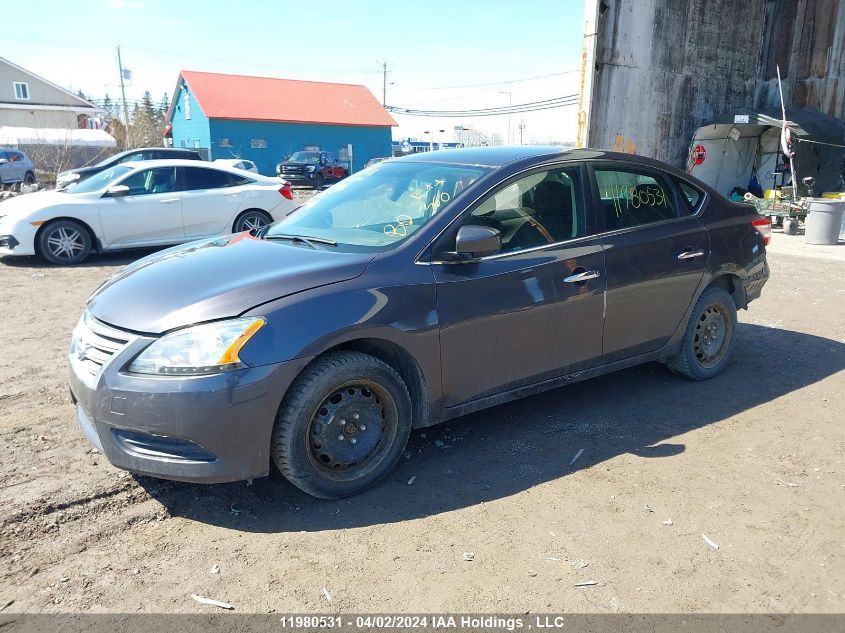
<point x="198" y="178"/>
<point x="691" y="194"/>
<point x="635" y="198"/>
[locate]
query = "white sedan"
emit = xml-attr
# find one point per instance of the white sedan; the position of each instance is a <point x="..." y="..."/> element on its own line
<point x="149" y="203"/>
<point x="237" y="163"/>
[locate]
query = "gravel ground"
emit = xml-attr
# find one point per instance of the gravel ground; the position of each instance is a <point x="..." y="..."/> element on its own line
<point x="751" y="462"/>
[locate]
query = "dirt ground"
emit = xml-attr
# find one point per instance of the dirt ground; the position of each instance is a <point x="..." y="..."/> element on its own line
<point x="753" y="460"/>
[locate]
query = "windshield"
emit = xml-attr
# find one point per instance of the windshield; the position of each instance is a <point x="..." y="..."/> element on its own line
<point x="312" y="158"/>
<point x="114" y="158"/>
<point x="380" y="206"/>
<point x="95" y="183"/>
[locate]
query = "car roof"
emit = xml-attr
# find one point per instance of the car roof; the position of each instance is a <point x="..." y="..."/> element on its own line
<point x="499" y="156"/>
<point x="174" y="162"/>
<point x="184" y="162"/>
<point x="174" y="150"/>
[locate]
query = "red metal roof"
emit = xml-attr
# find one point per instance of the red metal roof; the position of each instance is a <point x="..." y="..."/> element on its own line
<point x="267" y="99"/>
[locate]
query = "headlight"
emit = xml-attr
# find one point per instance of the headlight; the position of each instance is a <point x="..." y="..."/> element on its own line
<point x="68" y="178"/>
<point x="310" y="168"/>
<point x="203" y="349"/>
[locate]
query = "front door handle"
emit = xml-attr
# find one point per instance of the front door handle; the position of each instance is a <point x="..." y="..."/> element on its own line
<point x="690" y="254"/>
<point x="580" y="277"/>
<point x="169" y="200"/>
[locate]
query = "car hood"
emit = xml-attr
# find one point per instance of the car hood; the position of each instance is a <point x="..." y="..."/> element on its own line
<point x="20" y="206"/>
<point x="79" y="170"/>
<point x="215" y="279"/>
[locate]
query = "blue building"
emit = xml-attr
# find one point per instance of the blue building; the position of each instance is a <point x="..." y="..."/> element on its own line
<point x="265" y="120"/>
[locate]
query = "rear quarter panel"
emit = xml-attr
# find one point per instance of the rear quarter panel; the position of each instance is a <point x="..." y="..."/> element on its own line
<point x="736" y="247"/>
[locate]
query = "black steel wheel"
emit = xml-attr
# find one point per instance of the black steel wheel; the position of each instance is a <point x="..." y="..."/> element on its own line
<point x="709" y="337"/>
<point x="250" y="220"/>
<point x="64" y="242"/>
<point x="342" y="425"/>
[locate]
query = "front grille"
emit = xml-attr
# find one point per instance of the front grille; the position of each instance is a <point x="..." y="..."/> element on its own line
<point x="293" y="170"/>
<point x="95" y="343"/>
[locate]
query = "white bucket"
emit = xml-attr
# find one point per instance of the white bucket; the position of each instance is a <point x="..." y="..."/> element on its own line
<point x="824" y="221"/>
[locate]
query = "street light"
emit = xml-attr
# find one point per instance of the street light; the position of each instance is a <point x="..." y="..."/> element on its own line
<point x="510" y="103"/>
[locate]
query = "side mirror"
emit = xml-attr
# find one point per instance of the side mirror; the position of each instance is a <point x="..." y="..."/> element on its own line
<point x="473" y="242"/>
<point x="117" y="191"/>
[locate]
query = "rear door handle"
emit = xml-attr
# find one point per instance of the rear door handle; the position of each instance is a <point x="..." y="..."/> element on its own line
<point x="584" y="276"/>
<point x="169" y="200"/>
<point x="690" y="254"/>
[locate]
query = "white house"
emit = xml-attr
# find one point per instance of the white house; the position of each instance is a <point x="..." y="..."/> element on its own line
<point x="27" y="100"/>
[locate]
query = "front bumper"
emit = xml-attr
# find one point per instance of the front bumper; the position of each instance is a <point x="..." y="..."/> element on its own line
<point x="17" y="238"/>
<point x="299" y="178"/>
<point x="204" y="429"/>
<point x="8" y="243"/>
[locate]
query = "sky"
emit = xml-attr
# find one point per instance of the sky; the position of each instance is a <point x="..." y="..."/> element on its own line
<point x="441" y="55"/>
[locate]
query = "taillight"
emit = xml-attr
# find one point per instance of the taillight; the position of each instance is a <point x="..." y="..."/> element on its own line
<point x="764" y="226"/>
<point x="287" y="191"/>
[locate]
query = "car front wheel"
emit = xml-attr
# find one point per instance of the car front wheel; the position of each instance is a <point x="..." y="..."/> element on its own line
<point x="342" y="426"/>
<point x="64" y="242"/>
<point x="709" y="338"/>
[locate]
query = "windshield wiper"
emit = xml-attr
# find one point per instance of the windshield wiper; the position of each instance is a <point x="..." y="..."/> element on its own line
<point x="301" y="238"/>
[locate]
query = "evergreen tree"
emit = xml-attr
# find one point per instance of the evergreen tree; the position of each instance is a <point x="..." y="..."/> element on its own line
<point x="163" y="107"/>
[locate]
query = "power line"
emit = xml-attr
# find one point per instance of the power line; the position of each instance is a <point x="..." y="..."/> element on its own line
<point x="545" y="104"/>
<point x="499" y="83"/>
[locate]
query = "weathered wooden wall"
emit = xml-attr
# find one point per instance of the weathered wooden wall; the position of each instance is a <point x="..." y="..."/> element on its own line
<point x="662" y="68"/>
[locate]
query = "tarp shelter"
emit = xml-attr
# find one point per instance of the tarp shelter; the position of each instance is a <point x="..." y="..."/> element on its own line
<point x="18" y="136"/>
<point x="726" y="152"/>
<point x="54" y="149"/>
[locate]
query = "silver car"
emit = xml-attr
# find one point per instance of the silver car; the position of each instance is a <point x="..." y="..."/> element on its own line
<point x="15" y="167"/>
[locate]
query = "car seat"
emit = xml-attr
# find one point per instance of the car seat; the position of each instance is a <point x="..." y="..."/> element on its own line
<point x="162" y="181"/>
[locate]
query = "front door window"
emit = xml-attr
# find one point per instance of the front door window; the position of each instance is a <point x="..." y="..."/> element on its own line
<point x="544" y="208"/>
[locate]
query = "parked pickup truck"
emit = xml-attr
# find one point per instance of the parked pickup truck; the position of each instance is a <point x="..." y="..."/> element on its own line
<point x="312" y="169"/>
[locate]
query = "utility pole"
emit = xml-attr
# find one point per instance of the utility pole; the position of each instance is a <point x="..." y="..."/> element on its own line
<point x="521" y="128"/>
<point x="123" y="90"/>
<point x="384" y="85"/>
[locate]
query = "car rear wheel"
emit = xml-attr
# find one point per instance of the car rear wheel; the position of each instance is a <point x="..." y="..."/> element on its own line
<point x="29" y="178"/>
<point x="250" y="220"/>
<point x="342" y="425"/>
<point x="709" y="338"/>
<point x="64" y="242"/>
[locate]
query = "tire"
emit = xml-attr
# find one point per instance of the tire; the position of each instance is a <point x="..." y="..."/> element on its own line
<point x="319" y="181"/>
<point x="709" y="338"/>
<point x="320" y="442"/>
<point x="29" y="178"/>
<point x="57" y="237"/>
<point x="790" y="226"/>
<point x="251" y="219"/>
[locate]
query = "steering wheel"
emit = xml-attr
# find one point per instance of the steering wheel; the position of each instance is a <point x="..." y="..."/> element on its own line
<point x="537" y="226"/>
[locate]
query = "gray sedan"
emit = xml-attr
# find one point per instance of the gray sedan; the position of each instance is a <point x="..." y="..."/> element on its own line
<point x="416" y="291"/>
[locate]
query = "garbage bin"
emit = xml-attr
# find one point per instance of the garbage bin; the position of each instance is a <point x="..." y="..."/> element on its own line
<point x="824" y="221"/>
